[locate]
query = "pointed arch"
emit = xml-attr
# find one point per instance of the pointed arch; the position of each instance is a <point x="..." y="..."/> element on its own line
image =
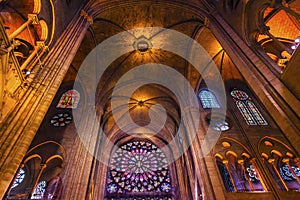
<point x="247" y="108"/>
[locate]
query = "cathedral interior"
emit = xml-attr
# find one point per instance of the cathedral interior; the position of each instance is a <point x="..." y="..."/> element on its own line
<point x="149" y="99"/>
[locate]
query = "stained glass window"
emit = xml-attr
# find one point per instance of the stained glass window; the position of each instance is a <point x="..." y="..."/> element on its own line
<point x="218" y="124"/>
<point x="69" y="99"/>
<point x="256" y="114"/>
<point x="226" y="177"/>
<point x="245" y="112"/>
<point x="138" y="167"/>
<point x="61" y="119"/>
<point x="208" y="99"/>
<point x="39" y="190"/>
<point x="247" y="108"/>
<point x="287" y="174"/>
<point x="252" y="173"/>
<point x="19" y="178"/>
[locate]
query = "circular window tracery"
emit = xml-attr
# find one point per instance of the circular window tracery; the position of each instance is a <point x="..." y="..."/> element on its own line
<point x="61" y="119"/>
<point x="218" y="124"/>
<point x="239" y="94"/>
<point x="138" y="167"/>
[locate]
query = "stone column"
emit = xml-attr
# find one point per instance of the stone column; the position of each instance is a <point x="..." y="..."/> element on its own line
<point x="287" y="162"/>
<point x="271" y="161"/>
<point x="43" y="166"/>
<point x="18" y="131"/>
<point x="201" y="163"/>
<point x="242" y="162"/>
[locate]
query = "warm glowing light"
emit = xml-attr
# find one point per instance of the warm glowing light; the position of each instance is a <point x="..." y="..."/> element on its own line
<point x="140" y="103"/>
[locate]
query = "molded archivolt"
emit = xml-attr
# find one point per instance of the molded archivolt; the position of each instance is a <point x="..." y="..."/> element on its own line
<point x="42" y="164"/>
<point x="237" y="167"/>
<point x="282" y="161"/>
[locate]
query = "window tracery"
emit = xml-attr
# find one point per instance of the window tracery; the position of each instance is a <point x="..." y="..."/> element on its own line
<point x="61" y="119"/>
<point x="218" y="124"/>
<point x="208" y="99"/>
<point x="138" y="167"/>
<point x="247" y="108"/>
<point x="69" y="99"/>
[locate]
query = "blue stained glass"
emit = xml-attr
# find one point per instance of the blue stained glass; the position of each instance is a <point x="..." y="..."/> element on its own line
<point x="286" y="173"/>
<point x="252" y="173"/>
<point x="208" y="99"/>
<point x="226" y="177"/>
<point x="19" y="178"/>
<point x="39" y="190"/>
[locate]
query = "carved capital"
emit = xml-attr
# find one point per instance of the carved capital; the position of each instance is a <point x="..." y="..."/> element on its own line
<point x="225" y="162"/>
<point x="241" y="162"/>
<point x="41" y="45"/>
<point x="271" y="161"/>
<point x="86" y="16"/>
<point x="286" y="160"/>
<point x="33" y="18"/>
<point x="297" y="161"/>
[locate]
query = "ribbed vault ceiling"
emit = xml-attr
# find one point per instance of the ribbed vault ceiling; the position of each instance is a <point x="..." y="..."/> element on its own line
<point x="141" y="15"/>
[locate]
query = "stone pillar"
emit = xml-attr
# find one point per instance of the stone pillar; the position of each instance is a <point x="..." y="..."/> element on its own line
<point x="43" y="166"/>
<point x="271" y="161"/>
<point x="18" y="131"/>
<point x="242" y="162"/>
<point x="201" y="163"/>
<point x="287" y="162"/>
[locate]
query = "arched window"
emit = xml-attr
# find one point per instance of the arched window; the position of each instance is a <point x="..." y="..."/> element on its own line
<point x="247" y="108"/>
<point x="239" y="175"/>
<point x="69" y="99"/>
<point x="208" y="99"/>
<point x="225" y="177"/>
<point x="39" y="190"/>
<point x="19" y="178"/>
<point x="138" y="168"/>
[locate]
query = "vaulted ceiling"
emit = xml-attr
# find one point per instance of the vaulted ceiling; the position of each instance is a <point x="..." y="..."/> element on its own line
<point x="145" y="14"/>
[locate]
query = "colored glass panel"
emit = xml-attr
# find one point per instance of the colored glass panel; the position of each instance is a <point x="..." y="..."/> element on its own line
<point x="226" y="177"/>
<point x="218" y="124"/>
<point x="287" y="174"/>
<point x="208" y="99"/>
<point x="138" y="166"/>
<point x="239" y="94"/>
<point x="69" y="99"/>
<point x="19" y="178"/>
<point x="256" y="114"/>
<point x="245" y="113"/>
<point x="61" y="119"/>
<point x="252" y="173"/>
<point x="39" y="190"/>
<point x="247" y="108"/>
